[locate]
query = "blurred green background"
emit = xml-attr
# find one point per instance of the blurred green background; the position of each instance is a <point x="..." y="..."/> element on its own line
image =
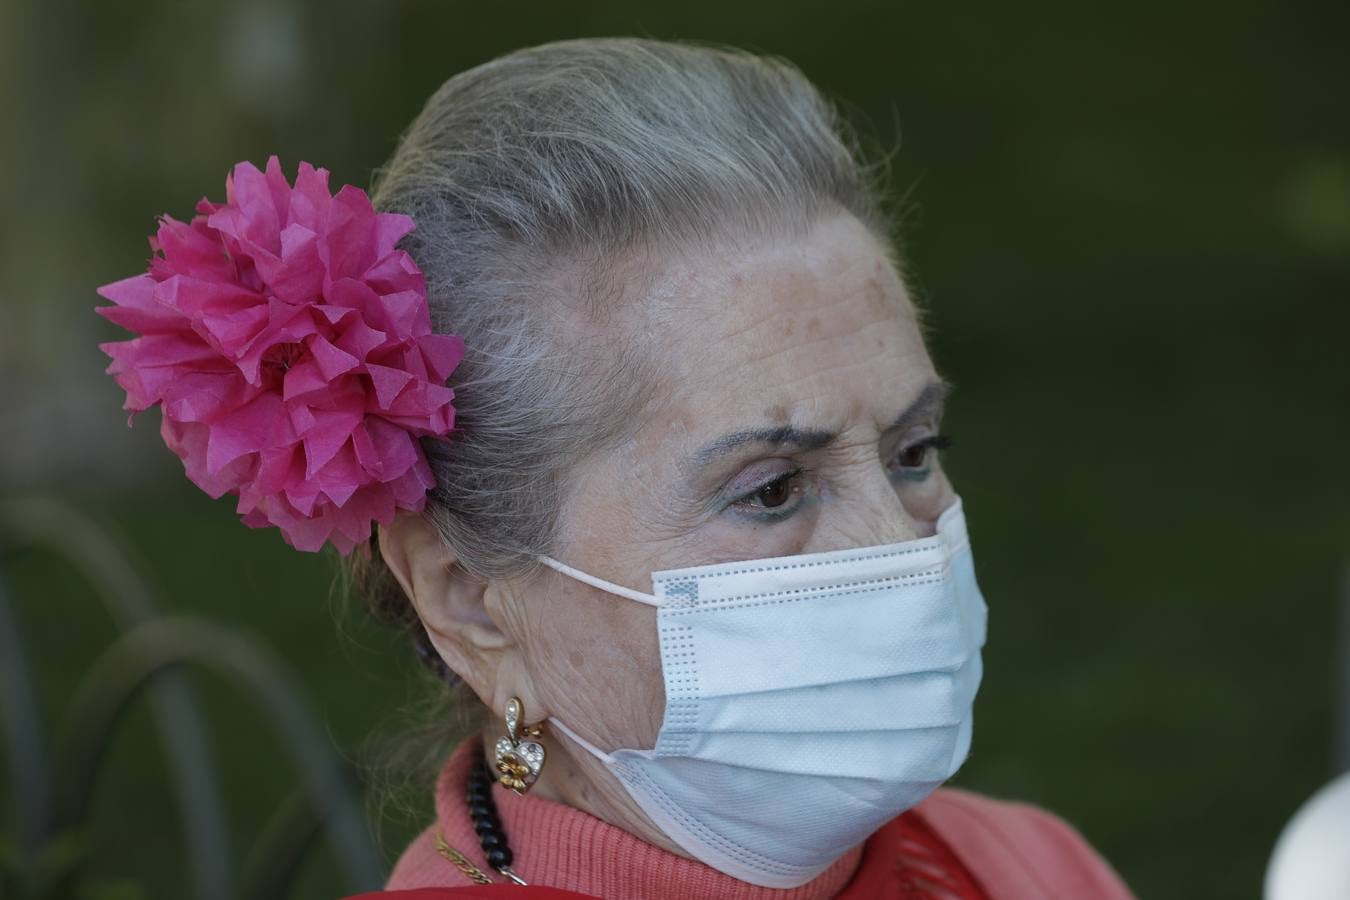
<point x="1131" y="224"/>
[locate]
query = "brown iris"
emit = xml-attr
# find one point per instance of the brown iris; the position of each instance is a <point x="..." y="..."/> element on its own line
<point x="775" y="493"/>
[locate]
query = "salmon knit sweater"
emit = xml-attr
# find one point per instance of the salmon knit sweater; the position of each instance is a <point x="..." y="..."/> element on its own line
<point x="954" y="845"/>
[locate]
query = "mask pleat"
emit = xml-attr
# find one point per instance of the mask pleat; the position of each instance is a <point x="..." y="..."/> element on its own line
<point x="922" y="699"/>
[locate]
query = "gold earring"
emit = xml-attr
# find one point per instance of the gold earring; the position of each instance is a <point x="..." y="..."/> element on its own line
<point x="519" y="756"/>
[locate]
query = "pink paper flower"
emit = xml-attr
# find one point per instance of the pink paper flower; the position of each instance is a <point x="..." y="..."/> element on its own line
<point x="290" y="348"/>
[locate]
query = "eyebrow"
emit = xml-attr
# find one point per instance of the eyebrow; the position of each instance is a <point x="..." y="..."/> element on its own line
<point x="929" y="403"/>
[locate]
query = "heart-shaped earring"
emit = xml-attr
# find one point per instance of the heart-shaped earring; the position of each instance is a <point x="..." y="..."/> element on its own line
<point x="519" y="756"/>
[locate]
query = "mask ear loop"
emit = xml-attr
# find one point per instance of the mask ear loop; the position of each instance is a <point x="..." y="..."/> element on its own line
<point x="602" y="584"/>
<point x="581" y="741"/>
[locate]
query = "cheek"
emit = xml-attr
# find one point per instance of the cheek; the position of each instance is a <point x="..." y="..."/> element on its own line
<point x="596" y="659"/>
<point x="931" y="501"/>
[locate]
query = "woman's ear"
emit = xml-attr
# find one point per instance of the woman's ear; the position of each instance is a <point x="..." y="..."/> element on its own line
<point x="449" y="602"/>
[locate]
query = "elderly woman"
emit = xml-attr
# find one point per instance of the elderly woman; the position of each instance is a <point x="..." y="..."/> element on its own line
<point x="689" y="541"/>
<point x="692" y="544"/>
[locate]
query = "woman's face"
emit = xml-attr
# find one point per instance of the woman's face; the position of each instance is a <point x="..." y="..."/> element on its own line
<point x="802" y="416"/>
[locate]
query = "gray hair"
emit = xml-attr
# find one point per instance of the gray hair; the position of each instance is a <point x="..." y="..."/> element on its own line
<point x="528" y="177"/>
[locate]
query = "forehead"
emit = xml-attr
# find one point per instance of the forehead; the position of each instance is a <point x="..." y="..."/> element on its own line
<point x="815" y="330"/>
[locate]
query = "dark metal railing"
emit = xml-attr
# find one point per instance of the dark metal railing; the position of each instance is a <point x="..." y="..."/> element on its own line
<point x="53" y="804"/>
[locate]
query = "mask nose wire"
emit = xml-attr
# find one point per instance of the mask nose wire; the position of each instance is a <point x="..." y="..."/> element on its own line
<point x="602" y="584"/>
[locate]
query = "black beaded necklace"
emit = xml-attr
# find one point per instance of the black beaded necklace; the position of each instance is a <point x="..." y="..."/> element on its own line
<point x="483" y="811"/>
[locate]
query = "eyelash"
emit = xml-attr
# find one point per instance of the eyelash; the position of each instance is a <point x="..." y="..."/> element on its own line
<point x="932" y="442"/>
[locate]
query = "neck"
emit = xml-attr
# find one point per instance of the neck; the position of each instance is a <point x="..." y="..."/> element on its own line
<point x="580" y="782"/>
<point x="558" y="845"/>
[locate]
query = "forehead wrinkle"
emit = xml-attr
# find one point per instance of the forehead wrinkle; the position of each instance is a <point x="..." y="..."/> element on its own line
<point x="776" y="435"/>
<point x="927" y="404"/>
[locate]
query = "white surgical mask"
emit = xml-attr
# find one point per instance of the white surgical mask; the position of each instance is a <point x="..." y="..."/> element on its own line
<point x="810" y="699"/>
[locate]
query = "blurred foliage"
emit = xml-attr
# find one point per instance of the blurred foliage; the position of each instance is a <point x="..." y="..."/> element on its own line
<point x="1131" y="225"/>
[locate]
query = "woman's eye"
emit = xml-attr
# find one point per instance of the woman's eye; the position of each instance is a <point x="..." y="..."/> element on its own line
<point x="916" y="455"/>
<point x="913" y="457"/>
<point x="772" y="499"/>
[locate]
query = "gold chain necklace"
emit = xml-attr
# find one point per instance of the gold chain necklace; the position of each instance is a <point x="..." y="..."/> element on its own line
<point x="476" y="875"/>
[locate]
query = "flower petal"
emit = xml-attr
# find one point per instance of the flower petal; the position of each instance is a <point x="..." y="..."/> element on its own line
<point x="442" y="353"/>
<point x="332" y="361"/>
<point x="388" y="382"/>
<point x="389" y="228"/>
<point x="311" y="199"/>
<point x="260" y="424"/>
<point x="329" y="433"/>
